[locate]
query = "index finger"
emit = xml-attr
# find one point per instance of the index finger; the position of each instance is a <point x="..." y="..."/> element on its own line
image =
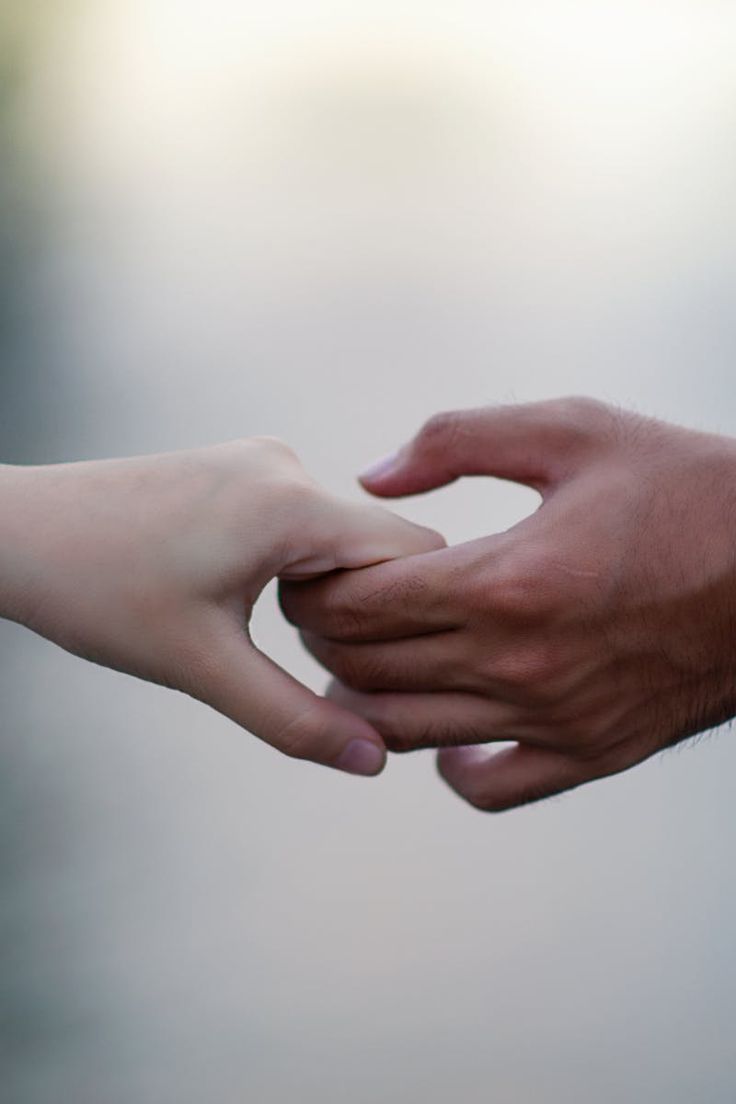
<point x="404" y="597"/>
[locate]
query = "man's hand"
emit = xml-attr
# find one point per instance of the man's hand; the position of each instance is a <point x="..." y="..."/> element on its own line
<point x="152" y="566"/>
<point x="591" y="635"/>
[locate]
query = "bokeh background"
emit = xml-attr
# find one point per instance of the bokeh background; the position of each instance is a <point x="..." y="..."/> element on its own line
<point x="327" y="221"/>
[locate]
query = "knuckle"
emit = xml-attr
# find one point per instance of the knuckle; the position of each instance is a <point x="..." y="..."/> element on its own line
<point x="406" y="590"/>
<point x="530" y="588"/>
<point x="532" y="669"/>
<point x="299" y="738"/>
<point x="519" y="592"/>
<point x="437" y="734"/>
<point x="580" y="413"/>
<point x="272" y="446"/>
<point x="270" y="450"/>
<point x="511" y="669"/>
<point x="515" y="595"/>
<point x="355" y="602"/>
<point x="281" y="464"/>
<point x="345" y="621"/>
<point x="356" y="671"/>
<point x="273" y="471"/>
<point x="583" y="422"/>
<point x="450" y="733"/>
<point x="362" y="608"/>
<point x="439" y="431"/>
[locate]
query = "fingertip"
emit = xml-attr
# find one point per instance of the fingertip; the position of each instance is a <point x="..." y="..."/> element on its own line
<point x="363" y="751"/>
<point x="453" y="763"/>
<point x="405" y="479"/>
<point x="380" y="469"/>
<point x="363" y="757"/>
<point x="388" y="478"/>
<point x="393" y="537"/>
<point x="435" y="539"/>
<point x="378" y="488"/>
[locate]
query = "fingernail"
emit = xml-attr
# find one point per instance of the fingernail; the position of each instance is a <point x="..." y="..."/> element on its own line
<point x="381" y="467"/>
<point x="362" y="757"/>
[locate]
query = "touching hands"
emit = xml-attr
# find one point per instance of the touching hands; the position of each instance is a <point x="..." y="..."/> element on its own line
<point x="152" y="566"/>
<point x="588" y="637"/>
<point x="591" y="635"/>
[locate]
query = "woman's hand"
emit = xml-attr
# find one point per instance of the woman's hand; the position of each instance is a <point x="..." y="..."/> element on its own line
<point x="152" y="566"/>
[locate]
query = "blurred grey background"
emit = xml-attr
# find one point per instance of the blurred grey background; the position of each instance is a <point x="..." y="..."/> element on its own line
<point x="326" y="221"/>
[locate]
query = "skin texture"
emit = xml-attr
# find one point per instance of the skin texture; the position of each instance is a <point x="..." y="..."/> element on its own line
<point x="152" y="566"/>
<point x="595" y="633"/>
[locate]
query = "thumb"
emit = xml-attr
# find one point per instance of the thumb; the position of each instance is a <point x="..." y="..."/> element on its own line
<point x="243" y="684"/>
<point x="538" y="444"/>
<point x="341" y="534"/>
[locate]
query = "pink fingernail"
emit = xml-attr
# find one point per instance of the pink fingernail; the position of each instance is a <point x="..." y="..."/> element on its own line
<point x="362" y="757"/>
<point x="381" y="467"/>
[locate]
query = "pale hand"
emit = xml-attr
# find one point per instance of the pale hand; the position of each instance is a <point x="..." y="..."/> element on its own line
<point x="152" y="566"/>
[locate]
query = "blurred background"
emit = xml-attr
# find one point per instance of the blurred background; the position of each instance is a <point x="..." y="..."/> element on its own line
<point x="327" y="221"/>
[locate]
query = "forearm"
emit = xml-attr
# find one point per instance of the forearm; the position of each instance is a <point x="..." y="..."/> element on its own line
<point x="16" y="541"/>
